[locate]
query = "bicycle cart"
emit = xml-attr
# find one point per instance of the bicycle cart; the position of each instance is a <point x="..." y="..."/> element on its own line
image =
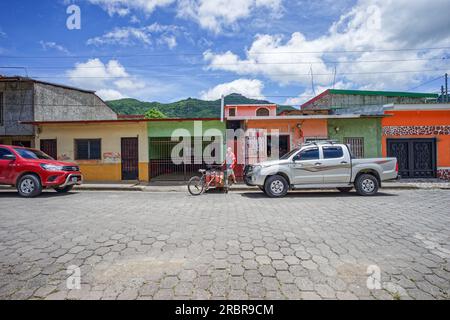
<point x="211" y="178"/>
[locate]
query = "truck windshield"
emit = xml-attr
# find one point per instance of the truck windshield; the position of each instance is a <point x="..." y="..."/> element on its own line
<point x="289" y="154"/>
<point x="32" y="154"/>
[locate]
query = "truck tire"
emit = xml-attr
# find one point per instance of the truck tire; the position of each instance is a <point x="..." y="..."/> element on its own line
<point x="347" y="189"/>
<point x="64" y="190"/>
<point x="276" y="186"/>
<point x="366" y="185"/>
<point x="29" y="186"/>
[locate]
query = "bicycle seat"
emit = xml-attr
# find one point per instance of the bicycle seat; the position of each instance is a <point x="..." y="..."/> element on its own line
<point x="202" y="170"/>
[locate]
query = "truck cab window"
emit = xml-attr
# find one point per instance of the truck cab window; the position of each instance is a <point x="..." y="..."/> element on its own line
<point x="308" y="154"/>
<point x="332" y="152"/>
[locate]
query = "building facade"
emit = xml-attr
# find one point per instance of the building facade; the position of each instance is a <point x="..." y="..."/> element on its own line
<point x="27" y="100"/>
<point x="419" y="136"/>
<point x="105" y="150"/>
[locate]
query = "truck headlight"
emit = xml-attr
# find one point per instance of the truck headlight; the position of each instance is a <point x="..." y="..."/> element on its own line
<point x="51" y="167"/>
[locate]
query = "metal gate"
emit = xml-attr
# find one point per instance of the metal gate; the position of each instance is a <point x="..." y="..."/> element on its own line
<point x="162" y="166"/>
<point x="416" y="157"/>
<point x="130" y="158"/>
<point x="49" y="146"/>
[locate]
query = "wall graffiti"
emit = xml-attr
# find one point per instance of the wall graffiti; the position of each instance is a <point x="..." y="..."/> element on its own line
<point x="111" y="156"/>
<point x="415" y="130"/>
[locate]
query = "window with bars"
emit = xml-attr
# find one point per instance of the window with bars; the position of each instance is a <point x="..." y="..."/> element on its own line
<point x="88" y="149"/>
<point x="356" y="146"/>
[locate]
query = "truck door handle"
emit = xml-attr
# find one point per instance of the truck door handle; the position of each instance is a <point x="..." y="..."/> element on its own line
<point x="317" y="164"/>
<point x="344" y="162"/>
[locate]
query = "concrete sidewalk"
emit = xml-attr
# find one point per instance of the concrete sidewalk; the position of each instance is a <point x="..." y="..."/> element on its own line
<point x="182" y="187"/>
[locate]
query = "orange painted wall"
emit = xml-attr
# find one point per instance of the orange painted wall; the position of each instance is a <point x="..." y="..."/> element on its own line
<point x="421" y="118"/>
<point x="310" y="128"/>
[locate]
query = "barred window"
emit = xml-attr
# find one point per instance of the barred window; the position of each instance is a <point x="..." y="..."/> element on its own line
<point x="356" y="146"/>
<point x="88" y="149"/>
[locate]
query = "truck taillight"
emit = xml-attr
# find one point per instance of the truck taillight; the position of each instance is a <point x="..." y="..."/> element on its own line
<point x="396" y="167"/>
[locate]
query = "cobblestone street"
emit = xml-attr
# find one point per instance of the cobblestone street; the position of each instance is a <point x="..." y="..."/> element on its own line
<point x="309" y="245"/>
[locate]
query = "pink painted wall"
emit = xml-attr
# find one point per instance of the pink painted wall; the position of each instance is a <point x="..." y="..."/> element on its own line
<point x="250" y="110"/>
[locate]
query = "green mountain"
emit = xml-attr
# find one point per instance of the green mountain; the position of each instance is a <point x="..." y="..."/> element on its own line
<point x="188" y="108"/>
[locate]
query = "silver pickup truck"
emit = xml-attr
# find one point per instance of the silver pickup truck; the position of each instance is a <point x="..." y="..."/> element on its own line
<point x="321" y="165"/>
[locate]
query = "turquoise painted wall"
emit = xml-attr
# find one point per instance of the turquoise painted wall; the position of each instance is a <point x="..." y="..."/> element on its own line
<point x="367" y="128"/>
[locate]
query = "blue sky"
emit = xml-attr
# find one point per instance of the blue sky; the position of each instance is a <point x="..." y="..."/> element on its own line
<point x="165" y="50"/>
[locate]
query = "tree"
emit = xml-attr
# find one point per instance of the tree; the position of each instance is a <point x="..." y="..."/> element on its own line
<point x="154" y="114"/>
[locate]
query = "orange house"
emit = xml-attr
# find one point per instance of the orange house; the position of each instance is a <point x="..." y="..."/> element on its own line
<point x="419" y="136"/>
<point x="261" y="127"/>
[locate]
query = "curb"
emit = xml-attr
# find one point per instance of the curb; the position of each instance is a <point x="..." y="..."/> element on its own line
<point x="184" y="189"/>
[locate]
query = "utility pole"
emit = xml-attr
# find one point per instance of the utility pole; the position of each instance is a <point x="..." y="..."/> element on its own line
<point x="222" y="108"/>
<point x="446" y="87"/>
<point x="224" y="149"/>
<point x="442" y="94"/>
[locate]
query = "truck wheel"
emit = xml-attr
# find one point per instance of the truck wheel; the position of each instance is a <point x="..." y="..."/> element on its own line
<point x="345" y="189"/>
<point x="276" y="186"/>
<point x="29" y="186"/>
<point x="366" y="185"/>
<point x="64" y="190"/>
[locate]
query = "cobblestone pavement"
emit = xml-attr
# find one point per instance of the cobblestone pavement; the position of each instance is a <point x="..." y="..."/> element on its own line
<point x="310" y="245"/>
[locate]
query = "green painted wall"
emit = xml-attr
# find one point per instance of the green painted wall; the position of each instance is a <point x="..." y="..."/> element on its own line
<point x="367" y="128"/>
<point x="166" y="128"/>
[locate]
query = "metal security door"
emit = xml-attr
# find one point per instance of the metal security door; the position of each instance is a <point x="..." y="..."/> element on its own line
<point x="130" y="159"/>
<point x="416" y="157"/>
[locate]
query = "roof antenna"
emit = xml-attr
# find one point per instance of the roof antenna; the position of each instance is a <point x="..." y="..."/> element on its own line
<point x="312" y="80"/>
<point x="334" y="77"/>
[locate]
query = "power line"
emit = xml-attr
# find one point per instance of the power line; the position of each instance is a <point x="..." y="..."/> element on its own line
<point x="202" y="53"/>
<point x="228" y="64"/>
<point x="221" y="75"/>
<point x="424" y="83"/>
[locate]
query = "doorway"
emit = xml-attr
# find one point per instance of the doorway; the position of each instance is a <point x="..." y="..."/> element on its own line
<point x="130" y="158"/>
<point x="49" y="146"/>
<point x="416" y="157"/>
<point x="283" y="145"/>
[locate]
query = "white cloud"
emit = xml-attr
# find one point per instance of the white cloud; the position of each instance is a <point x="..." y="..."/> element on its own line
<point x="110" y="94"/>
<point x="369" y="26"/>
<point x="127" y="36"/>
<point x="246" y="87"/>
<point x="124" y="7"/>
<point x="123" y="36"/>
<point x="110" y="80"/>
<point x="214" y="15"/>
<point x="170" y="41"/>
<point x="53" y="45"/>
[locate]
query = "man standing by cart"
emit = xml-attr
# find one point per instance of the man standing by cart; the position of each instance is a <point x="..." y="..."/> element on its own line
<point x="230" y="162"/>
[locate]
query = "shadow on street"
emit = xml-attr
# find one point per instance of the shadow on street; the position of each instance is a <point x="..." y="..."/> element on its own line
<point x="318" y="194"/>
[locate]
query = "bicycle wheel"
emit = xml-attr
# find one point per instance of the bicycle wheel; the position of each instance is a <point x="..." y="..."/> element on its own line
<point x="196" y="186"/>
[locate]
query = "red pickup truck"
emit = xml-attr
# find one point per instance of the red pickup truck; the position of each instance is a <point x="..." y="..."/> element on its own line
<point x="31" y="170"/>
